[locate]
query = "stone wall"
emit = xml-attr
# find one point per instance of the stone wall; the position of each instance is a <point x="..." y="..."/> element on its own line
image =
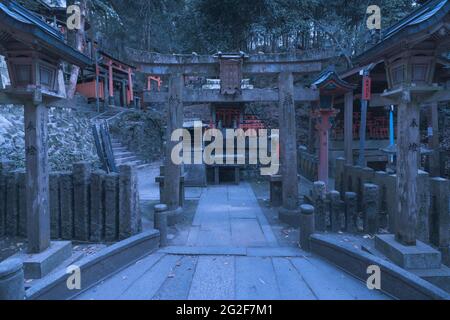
<point x="85" y="205"/>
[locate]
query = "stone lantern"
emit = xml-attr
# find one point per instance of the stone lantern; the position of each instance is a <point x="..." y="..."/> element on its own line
<point x="410" y="79"/>
<point x="34" y="51"/>
<point x="330" y="86"/>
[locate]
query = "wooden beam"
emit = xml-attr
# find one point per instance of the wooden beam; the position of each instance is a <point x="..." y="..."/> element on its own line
<point x="214" y="96"/>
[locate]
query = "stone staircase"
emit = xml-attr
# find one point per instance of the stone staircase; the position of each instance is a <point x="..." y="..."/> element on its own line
<point x="123" y="156"/>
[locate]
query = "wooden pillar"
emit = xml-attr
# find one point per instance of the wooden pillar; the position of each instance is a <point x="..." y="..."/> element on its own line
<point x="288" y="146"/>
<point x="433" y="139"/>
<point x="407" y="169"/>
<point x="111" y="83"/>
<point x="174" y="121"/>
<point x="348" y="128"/>
<point x="37" y="179"/>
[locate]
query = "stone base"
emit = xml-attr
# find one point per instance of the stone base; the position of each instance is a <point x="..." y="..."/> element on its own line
<point x="439" y="277"/>
<point x="419" y="257"/>
<point x="37" y="266"/>
<point x="291" y="217"/>
<point x="174" y="216"/>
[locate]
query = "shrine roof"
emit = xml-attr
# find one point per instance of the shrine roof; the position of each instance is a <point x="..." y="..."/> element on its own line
<point x="20" y="24"/>
<point x="421" y="20"/>
<point x="329" y="82"/>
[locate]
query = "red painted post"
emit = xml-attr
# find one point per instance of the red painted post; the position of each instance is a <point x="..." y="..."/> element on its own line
<point x="324" y="126"/>
<point x="130" y="84"/>
<point x="111" y="84"/>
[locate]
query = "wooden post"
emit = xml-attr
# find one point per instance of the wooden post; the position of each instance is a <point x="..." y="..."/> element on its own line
<point x="433" y="140"/>
<point x="175" y="121"/>
<point x="288" y="137"/>
<point x="111" y="83"/>
<point x="407" y="169"/>
<point x="36" y="155"/>
<point x="348" y="128"/>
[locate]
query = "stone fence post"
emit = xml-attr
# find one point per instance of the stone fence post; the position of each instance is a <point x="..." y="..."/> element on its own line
<point x="12" y="280"/>
<point x="5" y="168"/>
<point x="351" y="212"/>
<point x="307" y="226"/>
<point x="319" y="198"/>
<point x="161" y="223"/>
<point x="335" y="211"/>
<point x="440" y="217"/>
<point x="424" y="202"/>
<point x="97" y="221"/>
<point x="370" y="208"/>
<point x="111" y="207"/>
<point x="81" y="182"/>
<point x="129" y="214"/>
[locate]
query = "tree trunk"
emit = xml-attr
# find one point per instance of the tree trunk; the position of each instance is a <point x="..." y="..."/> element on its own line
<point x="80" y="41"/>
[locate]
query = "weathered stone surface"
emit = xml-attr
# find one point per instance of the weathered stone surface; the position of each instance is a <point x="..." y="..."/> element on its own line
<point x="55" y="208"/>
<point x="420" y="256"/>
<point x="319" y="197"/>
<point x="22" y="203"/>
<point x="66" y="190"/>
<point x="339" y="175"/>
<point x="351" y="212"/>
<point x="97" y="221"/>
<point x="12" y="207"/>
<point x="370" y="207"/>
<point x="12" y="280"/>
<point x="276" y="191"/>
<point x="424" y="201"/>
<point x="111" y="207"/>
<point x="5" y="168"/>
<point x="81" y="184"/>
<point x="307" y="226"/>
<point x="128" y="215"/>
<point x="440" y="215"/>
<point x="335" y="210"/>
<point x="161" y="222"/>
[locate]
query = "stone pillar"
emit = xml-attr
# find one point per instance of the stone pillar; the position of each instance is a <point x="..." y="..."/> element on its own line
<point x="161" y="223"/>
<point x="288" y="149"/>
<point x="111" y="207"/>
<point x="12" y="280"/>
<point x="36" y="156"/>
<point x="370" y="207"/>
<point x="276" y="191"/>
<point x="348" y="128"/>
<point x="67" y="202"/>
<point x="5" y="168"/>
<point x="335" y="210"/>
<point x="433" y="140"/>
<point x="12" y="205"/>
<point x="440" y="217"/>
<point x="423" y="199"/>
<point x="22" y="189"/>
<point x="351" y="212"/>
<point x="340" y="175"/>
<point x="128" y="215"/>
<point x="175" y="121"/>
<point x="392" y="202"/>
<point x="306" y="226"/>
<point x="97" y="206"/>
<point x="81" y="184"/>
<point x="407" y="159"/>
<point x="319" y="197"/>
<point x="55" y="212"/>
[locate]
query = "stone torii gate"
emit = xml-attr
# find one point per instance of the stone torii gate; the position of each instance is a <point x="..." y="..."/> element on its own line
<point x="231" y="67"/>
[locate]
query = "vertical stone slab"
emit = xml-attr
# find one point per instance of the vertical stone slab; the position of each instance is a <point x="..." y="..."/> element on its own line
<point x="12" y="205"/>
<point x="81" y="196"/>
<point x="36" y="156"/>
<point x="370" y="207"/>
<point x="348" y="128"/>
<point x="128" y="223"/>
<point x="380" y="180"/>
<point x="392" y="202"/>
<point x="339" y="175"/>
<point x="175" y="121"/>
<point x="97" y="221"/>
<point x="66" y="191"/>
<point x="111" y="207"/>
<point x="22" y="203"/>
<point x="335" y="210"/>
<point x="440" y="217"/>
<point x="423" y="217"/>
<point x="319" y="196"/>
<point x="288" y="147"/>
<point x="5" y="168"/>
<point x="55" y="208"/>
<point x="351" y="212"/>
<point x="408" y="150"/>
<point x="433" y="140"/>
<point x="307" y="226"/>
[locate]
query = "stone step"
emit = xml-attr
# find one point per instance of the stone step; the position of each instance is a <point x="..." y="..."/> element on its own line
<point x="119" y="149"/>
<point x="122" y="154"/>
<point x="126" y="159"/>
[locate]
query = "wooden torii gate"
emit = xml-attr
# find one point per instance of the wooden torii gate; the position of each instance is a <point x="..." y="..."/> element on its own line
<point x="283" y="65"/>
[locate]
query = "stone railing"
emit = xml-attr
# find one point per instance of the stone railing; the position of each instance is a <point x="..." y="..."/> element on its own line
<point x="308" y="165"/>
<point x="84" y="205"/>
<point x="377" y="202"/>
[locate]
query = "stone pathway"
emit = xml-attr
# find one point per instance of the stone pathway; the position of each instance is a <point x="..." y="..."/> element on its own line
<point x="231" y="253"/>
